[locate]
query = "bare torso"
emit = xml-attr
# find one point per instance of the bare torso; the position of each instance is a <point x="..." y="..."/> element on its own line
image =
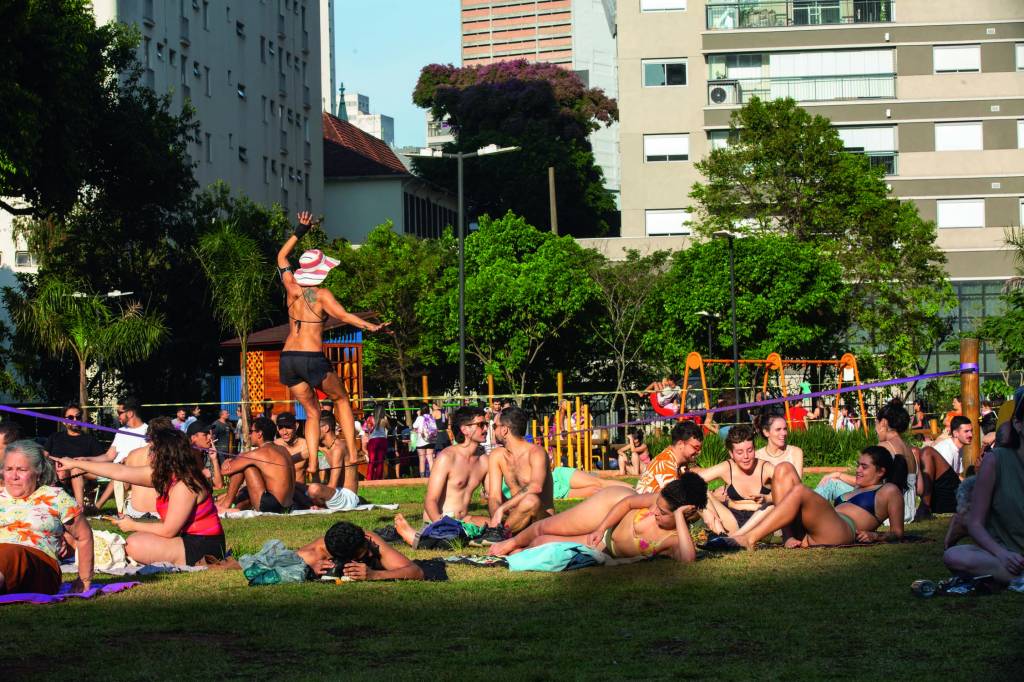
<point x="896" y="446"/>
<point x="300" y="457"/>
<point x="275" y="463"/>
<point x="143" y="499"/>
<point x="465" y="473"/>
<point x="306" y="319"/>
<point x="636" y="528"/>
<point x="516" y="471"/>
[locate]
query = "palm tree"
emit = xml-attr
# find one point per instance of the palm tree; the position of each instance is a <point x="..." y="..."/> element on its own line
<point x="63" y="318"/>
<point x="239" y="277"/>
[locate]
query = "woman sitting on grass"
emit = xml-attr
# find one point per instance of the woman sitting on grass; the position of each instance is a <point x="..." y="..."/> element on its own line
<point x="639" y="456"/>
<point x="774" y="427"/>
<point x="811" y="520"/>
<point x="189" y="527"/>
<point x="746" y="477"/>
<point x="624" y="525"/>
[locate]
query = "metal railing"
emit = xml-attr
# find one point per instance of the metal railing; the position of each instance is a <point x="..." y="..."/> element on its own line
<point x="726" y="15"/>
<point x="804" y="89"/>
<point x="886" y="160"/>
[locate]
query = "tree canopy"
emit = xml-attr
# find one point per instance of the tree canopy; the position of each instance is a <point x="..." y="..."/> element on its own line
<point x="543" y="109"/>
<point x="784" y="172"/>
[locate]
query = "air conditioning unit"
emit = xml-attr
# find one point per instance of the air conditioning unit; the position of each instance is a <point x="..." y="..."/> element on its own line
<point x="724" y="92"/>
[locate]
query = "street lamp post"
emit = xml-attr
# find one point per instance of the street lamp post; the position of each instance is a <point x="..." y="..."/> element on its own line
<point x="732" y="237"/>
<point x="430" y="153"/>
<point x="709" y="317"/>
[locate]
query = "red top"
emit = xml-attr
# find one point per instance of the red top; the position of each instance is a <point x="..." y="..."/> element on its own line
<point x="796" y="418"/>
<point x="202" y="521"/>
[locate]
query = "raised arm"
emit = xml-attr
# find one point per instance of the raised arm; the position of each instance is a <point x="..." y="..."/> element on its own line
<point x="305" y="222"/>
<point x="335" y="310"/>
<point x="715" y="473"/>
<point x="685" y="552"/>
<point x="140" y="475"/>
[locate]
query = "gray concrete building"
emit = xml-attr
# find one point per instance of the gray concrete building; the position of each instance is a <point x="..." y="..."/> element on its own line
<point x="253" y="71"/>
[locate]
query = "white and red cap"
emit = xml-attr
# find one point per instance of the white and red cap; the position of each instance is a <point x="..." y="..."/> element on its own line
<point x="313" y="267"/>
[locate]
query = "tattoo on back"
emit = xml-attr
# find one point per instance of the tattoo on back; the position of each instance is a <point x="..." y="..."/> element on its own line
<point x="309" y="295"/>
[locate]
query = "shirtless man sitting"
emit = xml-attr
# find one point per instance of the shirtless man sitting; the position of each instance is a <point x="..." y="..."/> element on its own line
<point x="524" y="467"/>
<point x="456" y="473"/>
<point x="267" y="471"/>
<point x="331" y="496"/>
<point x="624" y="525"/>
<point x="288" y="438"/>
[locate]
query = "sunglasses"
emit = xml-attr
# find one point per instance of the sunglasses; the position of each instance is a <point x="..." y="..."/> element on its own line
<point x="73" y="416"/>
<point x="480" y="424"/>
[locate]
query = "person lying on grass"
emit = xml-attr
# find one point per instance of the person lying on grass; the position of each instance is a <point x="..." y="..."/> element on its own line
<point x="189" y="528"/>
<point x="348" y="550"/>
<point x="624" y="525"/>
<point x="747" y="493"/>
<point x="808" y="519"/>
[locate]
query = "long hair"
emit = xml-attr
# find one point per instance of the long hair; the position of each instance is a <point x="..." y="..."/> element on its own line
<point x="895" y="467"/>
<point x="173" y="460"/>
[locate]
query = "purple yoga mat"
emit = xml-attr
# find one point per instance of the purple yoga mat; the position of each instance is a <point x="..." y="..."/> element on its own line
<point x="65" y="593"/>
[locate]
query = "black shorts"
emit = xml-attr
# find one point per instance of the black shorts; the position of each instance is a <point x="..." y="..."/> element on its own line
<point x="944" y="493"/>
<point x="269" y="503"/>
<point x="198" y="546"/>
<point x="298" y="366"/>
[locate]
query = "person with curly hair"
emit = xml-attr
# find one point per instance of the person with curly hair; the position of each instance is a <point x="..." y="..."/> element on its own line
<point x="189" y="528"/>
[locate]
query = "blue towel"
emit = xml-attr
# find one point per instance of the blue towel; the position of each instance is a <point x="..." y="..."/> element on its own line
<point x="554" y="557"/>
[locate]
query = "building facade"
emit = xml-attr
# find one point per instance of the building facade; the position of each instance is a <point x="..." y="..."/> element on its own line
<point x="576" y="34"/>
<point x="253" y="72"/>
<point x="931" y="91"/>
<point x="357" y="112"/>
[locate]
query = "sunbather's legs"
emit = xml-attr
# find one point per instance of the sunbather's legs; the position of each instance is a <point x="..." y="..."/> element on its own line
<point x="582" y="519"/>
<point x="970" y="561"/>
<point x="149" y="548"/>
<point x="815" y="514"/>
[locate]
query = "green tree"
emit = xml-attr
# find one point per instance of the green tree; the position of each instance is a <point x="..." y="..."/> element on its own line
<point x="790" y="299"/>
<point x="239" y="276"/>
<point x="1006" y="331"/>
<point x="524" y="290"/>
<point x="59" y="83"/>
<point x="546" y="111"/>
<point x="394" y="276"/>
<point x="785" y="172"/>
<point x="64" y="318"/>
<point x="626" y="294"/>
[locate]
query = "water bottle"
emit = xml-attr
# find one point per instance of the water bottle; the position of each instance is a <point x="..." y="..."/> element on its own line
<point x="923" y="588"/>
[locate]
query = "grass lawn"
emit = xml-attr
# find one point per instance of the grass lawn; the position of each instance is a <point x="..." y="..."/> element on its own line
<point x="805" y="614"/>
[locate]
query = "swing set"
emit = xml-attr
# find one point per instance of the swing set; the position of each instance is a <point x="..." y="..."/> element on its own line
<point x="774" y="364"/>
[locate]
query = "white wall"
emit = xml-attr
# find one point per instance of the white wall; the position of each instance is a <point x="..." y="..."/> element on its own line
<point x="593" y="49"/>
<point x="354" y="207"/>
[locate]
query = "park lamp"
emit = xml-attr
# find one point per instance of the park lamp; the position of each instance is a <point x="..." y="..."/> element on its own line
<point x="116" y="293"/>
<point x="727" y="234"/>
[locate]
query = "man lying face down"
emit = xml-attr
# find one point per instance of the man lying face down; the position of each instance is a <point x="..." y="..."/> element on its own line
<point x="346" y="550"/>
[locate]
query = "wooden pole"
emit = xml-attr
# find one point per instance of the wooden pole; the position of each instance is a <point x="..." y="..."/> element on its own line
<point x="426" y="390"/>
<point x="490" y="389"/>
<point x="553" y="203"/>
<point x="579" y="434"/>
<point x="970" y="398"/>
<point x="547" y="442"/>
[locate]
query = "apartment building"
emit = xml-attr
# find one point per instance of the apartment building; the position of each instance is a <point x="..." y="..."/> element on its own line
<point x="575" y="34"/>
<point x="931" y="91"/>
<point x="254" y="73"/>
<point x="357" y="112"/>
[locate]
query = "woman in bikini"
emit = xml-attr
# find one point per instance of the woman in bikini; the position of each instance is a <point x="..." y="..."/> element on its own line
<point x="747" y="494"/>
<point x="773" y="426"/>
<point x="623" y="525"/>
<point x="856" y="516"/>
<point x="304" y="368"/>
<point x="635" y="463"/>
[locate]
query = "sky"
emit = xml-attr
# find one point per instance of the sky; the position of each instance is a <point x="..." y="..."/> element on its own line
<point x="380" y="47"/>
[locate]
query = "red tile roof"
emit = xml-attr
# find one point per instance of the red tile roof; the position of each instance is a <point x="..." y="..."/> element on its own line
<point x="350" y="152"/>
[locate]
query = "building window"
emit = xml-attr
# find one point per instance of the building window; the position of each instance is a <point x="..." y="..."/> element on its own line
<point x="263" y="108"/>
<point x="172" y="57"/>
<point x="662" y="5"/>
<point x="160" y="51"/>
<point x="209" y="148"/>
<point x="960" y="212"/>
<point x="878" y="143"/>
<point x="145" y="49"/>
<point x="669" y="221"/>
<point x="664" y="72"/>
<point x="243" y="154"/>
<point x="240" y="28"/>
<point x="1020" y="136"/>
<point x="266" y="171"/>
<point x="1020" y="56"/>
<point x="667" y="147"/>
<point x="962" y="135"/>
<point x="230" y="78"/>
<point x="718" y="139"/>
<point x="1021" y="213"/>
<point x="231" y="141"/>
<point x="263" y="49"/>
<point x="195" y="69"/>
<point x="270" y="48"/>
<point x="241" y="91"/>
<point x="956" y="58"/>
<point x="206" y="15"/>
<point x="208" y="92"/>
<point x="24" y="259"/>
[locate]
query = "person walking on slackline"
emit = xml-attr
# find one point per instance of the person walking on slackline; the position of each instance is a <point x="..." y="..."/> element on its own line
<point x="304" y="368"/>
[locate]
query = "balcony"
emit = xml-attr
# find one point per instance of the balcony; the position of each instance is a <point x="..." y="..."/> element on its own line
<point x="886" y="160"/>
<point x="185" y="31"/>
<point x="726" y="15"/>
<point x="808" y="89"/>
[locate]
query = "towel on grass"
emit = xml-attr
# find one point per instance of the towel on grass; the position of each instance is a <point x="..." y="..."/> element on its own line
<point x="552" y="557"/>
<point x="138" y="569"/>
<point x="65" y="593"/>
<point x="252" y="513"/>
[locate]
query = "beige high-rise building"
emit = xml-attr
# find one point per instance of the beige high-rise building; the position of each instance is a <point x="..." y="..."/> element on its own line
<point x="932" y="91"/>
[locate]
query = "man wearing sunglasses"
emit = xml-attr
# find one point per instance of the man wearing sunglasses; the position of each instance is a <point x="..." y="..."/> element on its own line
<point x="70" y="440"/>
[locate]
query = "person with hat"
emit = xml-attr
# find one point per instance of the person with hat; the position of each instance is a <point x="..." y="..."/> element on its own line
<point x="304" y="368"/>
<point x="198" y="433"/>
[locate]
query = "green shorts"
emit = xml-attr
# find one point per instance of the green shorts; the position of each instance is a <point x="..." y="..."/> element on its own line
<point x="561" y="477"/>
